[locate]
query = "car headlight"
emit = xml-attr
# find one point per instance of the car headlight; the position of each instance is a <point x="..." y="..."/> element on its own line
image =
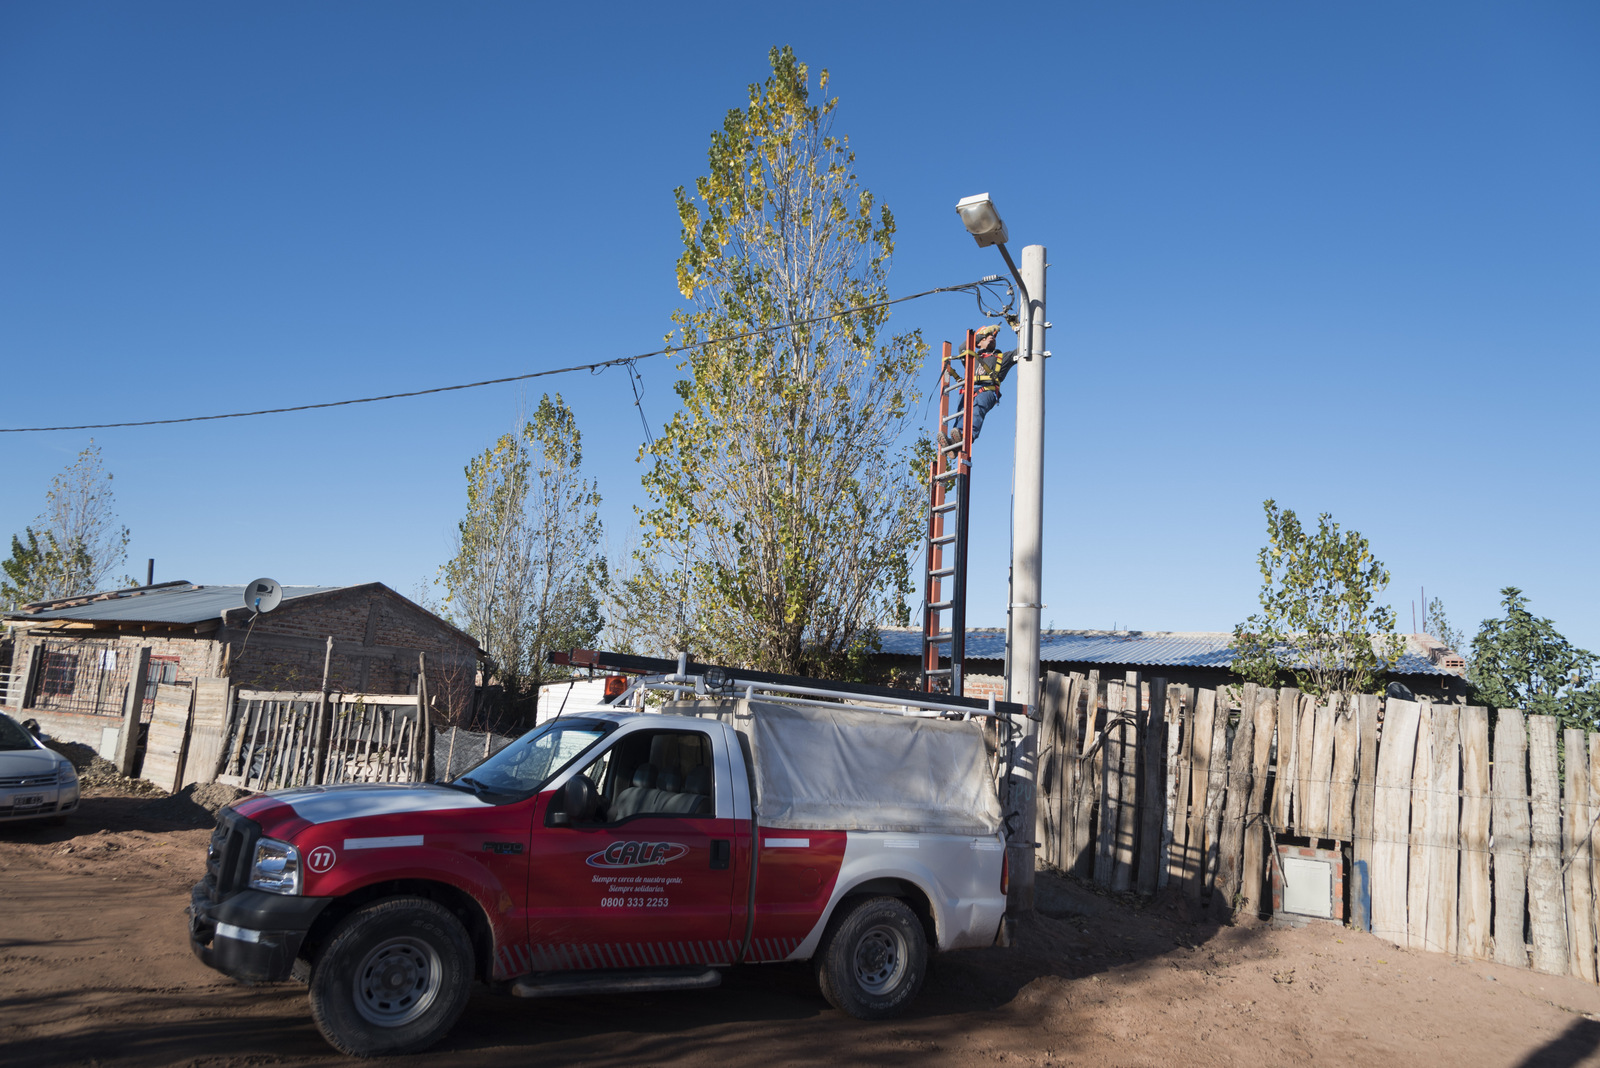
<point x="67" y="775"/>
<point x="276" y="867"/>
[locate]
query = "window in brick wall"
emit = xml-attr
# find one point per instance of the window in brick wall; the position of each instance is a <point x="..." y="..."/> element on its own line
<point x="162" y="669"/>
<point x="60" y="674"/>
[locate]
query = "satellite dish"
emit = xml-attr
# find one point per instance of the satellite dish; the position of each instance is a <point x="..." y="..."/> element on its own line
<point x="263" y="595"/>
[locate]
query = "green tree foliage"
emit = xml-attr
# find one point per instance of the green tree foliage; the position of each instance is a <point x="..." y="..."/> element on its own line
<point x="75" y="545"/>
<point x="528" y="575"/>
<point x="1522" y="661"/>
<point x="1319" y="621"/>
<point x="785" y="498"/>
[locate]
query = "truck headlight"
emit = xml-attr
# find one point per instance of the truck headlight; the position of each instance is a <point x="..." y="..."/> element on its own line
<point x="276" y="867"/>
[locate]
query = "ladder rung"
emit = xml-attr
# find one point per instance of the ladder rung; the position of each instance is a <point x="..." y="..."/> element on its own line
<point x="946" y="507"/>
<point x="945" y="540"/>
<point x="942" y="475"/>
<point x="941" y="572"/>
<point x="952" y="418"/>
<point x="937" y="672"/>
<point x="940" y="606"/>
<point x="936" y="639"/>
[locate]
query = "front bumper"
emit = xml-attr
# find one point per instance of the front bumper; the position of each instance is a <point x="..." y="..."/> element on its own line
<point x="251" y="935"/>
<point x="37" y="802"/>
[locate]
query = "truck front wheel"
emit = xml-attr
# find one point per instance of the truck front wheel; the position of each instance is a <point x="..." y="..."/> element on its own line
<point x="873" y="958"/>
<point x="393" y="978"/>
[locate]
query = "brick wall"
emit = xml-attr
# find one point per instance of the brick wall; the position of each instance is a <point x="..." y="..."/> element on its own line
<point x="377" y="636"/>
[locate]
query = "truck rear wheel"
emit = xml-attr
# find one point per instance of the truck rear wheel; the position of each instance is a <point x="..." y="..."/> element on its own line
<point x="873" y="959"/>
<point x="394" y="978"/>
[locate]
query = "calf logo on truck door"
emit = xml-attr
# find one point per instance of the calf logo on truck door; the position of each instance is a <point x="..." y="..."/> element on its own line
<point x="637" y="854"/>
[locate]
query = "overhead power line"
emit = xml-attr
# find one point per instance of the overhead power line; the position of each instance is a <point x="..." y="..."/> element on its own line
<point x="979" y="288"/>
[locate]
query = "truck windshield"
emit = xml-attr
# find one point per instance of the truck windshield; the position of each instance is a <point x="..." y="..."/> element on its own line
<point x="525" y="765"/>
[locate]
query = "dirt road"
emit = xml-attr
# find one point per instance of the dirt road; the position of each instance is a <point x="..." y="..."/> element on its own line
<point x="95" y="969"/>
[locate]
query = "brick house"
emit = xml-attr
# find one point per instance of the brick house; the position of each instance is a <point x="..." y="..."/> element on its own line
<point x="70" y="659"/>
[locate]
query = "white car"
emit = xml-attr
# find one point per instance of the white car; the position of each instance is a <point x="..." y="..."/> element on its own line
<point x="35" y="782"/>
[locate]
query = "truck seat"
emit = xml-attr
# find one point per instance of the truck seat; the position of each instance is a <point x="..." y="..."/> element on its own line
<point x="695" y="800"/>
<point x="632" y="801"/>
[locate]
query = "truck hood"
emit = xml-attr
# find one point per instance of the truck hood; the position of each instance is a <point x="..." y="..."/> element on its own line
<point x="325" y="804"/>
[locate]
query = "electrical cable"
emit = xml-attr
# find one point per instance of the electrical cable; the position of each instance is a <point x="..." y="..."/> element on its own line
<point x="979" y="288"/>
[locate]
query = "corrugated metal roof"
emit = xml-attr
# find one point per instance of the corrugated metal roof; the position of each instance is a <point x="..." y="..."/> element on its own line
<point x="1191" y="649"/>
<point x="177" y="603"/>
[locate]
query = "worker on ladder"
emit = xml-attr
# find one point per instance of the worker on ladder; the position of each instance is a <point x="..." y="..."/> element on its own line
<point x="992" y="366"/>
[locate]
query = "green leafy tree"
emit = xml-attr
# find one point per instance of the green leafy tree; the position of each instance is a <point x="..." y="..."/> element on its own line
<point x="75" y="545"/>
<point x="34" y="570"/>
<point x="785" y="496"/>
<point x="1319" y="620"/>
<point x="528" y="575"/>
<point x="1521" y="661"/>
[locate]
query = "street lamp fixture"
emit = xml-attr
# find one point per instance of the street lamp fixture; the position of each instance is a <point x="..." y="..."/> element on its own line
<point x="982" y="221"/>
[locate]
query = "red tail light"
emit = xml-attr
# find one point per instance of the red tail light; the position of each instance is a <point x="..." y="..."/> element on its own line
<point x="1005" y="873"/>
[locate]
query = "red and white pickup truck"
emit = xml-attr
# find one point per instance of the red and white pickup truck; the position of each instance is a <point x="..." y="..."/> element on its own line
<point x="617" y="849"/>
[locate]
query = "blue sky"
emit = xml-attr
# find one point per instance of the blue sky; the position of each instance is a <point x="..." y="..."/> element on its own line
<point x="1342" y="255"/>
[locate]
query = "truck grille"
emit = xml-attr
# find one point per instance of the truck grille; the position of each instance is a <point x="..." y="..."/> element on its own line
<point x="233" y="844"/>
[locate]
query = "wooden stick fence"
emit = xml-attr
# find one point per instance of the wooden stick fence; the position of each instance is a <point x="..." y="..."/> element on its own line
<point x="283" y="739"/>
<point x="1148" y="786"/>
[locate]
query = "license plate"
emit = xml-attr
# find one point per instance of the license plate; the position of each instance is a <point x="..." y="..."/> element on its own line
<point x="27" y="800"/>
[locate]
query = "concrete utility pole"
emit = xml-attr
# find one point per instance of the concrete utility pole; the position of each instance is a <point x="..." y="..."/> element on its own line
<point x="1027" y="523"/>
<point x="983" y="222"/>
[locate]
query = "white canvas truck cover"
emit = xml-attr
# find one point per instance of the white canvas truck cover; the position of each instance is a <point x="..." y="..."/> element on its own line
<point x="844" y="769"/>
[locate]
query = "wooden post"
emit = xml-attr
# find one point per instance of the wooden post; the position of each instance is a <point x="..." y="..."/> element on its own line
<point x="1346" y="748"/>
<point x="1256" y="840"/>
<point x="1391" y="822"/>
<point x="1288" y="764"/>
<point x="1177" y="852"/>
<point x="1066" y="797"/>
<point x="1203" y="721"/>
<point x="132" y="706"/>
<point x="1417" y="860"/>
<point x="1510" y="828"/>
<point x="1473" y="907"/>
<point x="1170" y="816"/>
<point x="1575" y="855"/>
<point x="1229" y="860"/>
<point x="1594" y="832"/>
<point x="424" y="722"/>
<point x="1444" y="830"/>
<point x="1153" y="746"/>
<point x="1080" y="857"/>
<point x="324" y="725"/>
<point x="1318" y="775"/>
<point x="1047" y="782"/>
<point x="450" y="753"/>
<point x="1105" y="855"/>
<point x="1367" y="706"/>
<point x="23" y="697"/>
<point x="1307" y="820"/>
<point x="1216" y="787"/>
<point x="1547" y="913"/>
<point x="1128" y="788"/>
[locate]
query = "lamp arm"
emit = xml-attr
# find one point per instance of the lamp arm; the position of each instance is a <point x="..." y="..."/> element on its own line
<point x="1001" y="245"/>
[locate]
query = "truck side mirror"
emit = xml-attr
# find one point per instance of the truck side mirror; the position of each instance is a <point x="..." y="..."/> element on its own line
<point x="582" y="800"/>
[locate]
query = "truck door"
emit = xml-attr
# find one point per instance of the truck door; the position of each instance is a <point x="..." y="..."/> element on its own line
<point x="648" y="881"/>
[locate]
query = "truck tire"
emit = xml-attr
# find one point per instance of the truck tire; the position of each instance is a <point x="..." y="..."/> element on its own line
<point x="393" y="978"/>
<point x="872" y="958"/>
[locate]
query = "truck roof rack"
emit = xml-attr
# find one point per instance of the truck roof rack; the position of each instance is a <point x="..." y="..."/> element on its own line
<point x="690" y="677"/>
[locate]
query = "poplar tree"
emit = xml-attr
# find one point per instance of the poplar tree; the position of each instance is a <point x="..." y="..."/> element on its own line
<point x="528" y="573"/>
<point x="786" y="493"/>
